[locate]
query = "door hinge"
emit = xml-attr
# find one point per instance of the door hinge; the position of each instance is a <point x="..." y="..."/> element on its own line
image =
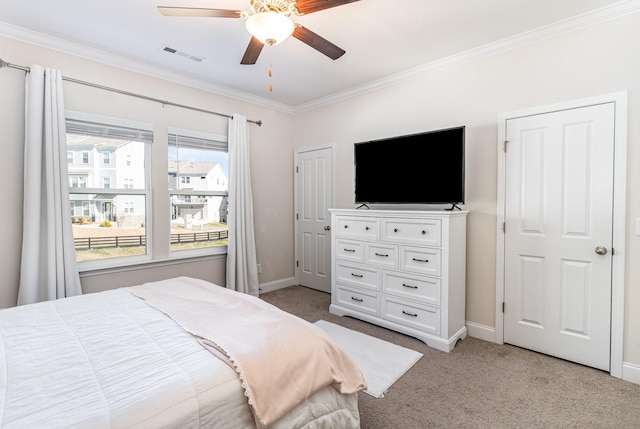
<point x="297" y="263"/>
<point x="296" y="216"/>
<point x="504" y="147"/>
<point x="503" y="306"/>
<point x="296" y="169"/>
<point x="613" y="251"/>
<point x="504" y="227"/>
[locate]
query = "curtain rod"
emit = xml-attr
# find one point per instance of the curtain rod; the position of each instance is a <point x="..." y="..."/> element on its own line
<point x="132" y="94"/>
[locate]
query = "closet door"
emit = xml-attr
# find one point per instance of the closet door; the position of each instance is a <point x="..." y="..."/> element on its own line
<point x="558" y="233"/>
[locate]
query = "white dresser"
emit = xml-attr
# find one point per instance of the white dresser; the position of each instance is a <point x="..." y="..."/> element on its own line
<point x="404" y="270"/>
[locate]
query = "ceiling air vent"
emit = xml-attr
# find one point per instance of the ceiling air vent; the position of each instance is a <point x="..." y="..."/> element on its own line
<point x="182" y="54"/>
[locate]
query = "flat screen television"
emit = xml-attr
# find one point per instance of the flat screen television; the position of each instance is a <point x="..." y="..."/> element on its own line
<point x="424" y="168"/>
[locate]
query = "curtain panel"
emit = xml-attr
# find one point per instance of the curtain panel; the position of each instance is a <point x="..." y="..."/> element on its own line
<point x="242" y="268"/>
<point x="48" y="267"/>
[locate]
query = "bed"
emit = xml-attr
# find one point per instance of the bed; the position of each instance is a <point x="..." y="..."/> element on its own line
<point x="180" y="353"/>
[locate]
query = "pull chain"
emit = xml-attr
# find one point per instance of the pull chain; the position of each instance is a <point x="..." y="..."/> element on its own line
<point x="270" y="71"/>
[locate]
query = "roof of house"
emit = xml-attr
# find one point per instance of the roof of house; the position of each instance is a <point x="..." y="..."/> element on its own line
<point x="190" y="168"/>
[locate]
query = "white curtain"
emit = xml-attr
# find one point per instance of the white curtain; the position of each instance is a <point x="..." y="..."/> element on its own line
<point x="48" y="269"/>
<point x="242" y="268"/>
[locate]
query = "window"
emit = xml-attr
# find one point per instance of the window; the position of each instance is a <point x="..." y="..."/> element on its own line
<point x="198" y="207"/>
<point x="114" y="219"/>
<point x="128" y="160"/>
<point x="77" y="181"/>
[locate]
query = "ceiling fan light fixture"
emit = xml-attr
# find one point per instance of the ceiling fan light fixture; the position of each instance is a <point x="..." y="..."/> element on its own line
<point x="270" y="28"/>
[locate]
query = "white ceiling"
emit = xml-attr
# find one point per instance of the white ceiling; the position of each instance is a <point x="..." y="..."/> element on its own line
<point x="383" y="39"/>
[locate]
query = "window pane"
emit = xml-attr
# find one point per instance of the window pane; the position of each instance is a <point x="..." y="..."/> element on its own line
<point x="106" y="222"/>
<point x="198" y="188"/>
<point x="108" y="225"/>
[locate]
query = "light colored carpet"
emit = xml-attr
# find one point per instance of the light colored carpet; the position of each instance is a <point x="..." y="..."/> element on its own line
<point x="382" y="363"/>
<point x="480" y="385"/>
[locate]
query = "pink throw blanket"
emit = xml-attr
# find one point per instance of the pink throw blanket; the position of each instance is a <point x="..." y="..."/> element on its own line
<point x="280" y="358"/>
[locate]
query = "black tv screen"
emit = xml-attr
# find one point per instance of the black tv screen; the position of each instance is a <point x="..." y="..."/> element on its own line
<point x="424" y="168"/>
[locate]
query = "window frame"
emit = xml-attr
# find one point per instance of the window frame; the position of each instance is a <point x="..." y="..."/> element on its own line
<point x="122" y="262"/>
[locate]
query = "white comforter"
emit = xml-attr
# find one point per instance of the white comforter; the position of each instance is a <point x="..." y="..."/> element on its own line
<point x="108" y="360"/>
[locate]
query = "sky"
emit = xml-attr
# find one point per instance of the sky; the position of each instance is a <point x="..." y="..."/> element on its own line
<point x="199" y="155"/>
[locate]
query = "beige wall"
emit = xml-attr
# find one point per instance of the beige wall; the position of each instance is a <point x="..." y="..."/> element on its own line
<point x="271" y="156"/>
<point x="591" y="61"/>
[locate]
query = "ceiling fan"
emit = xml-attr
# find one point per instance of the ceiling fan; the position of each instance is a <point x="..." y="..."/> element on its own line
<point x="269" y="23"/>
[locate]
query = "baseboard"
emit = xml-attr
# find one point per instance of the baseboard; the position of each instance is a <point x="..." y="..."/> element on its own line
<point x="276" y="284"/>
<point x="631" y="372"/>
<point x="481" y="332"/>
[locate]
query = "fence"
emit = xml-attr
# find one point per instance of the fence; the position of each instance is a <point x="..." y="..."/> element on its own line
<point x="89" y="243"/>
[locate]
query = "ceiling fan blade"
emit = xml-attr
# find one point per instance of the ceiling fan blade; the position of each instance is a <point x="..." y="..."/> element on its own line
<point x="310" y="6"/>
<point x="253" y="52"/>
<point x="318" y="43"/>
<point x="199" y="12"/>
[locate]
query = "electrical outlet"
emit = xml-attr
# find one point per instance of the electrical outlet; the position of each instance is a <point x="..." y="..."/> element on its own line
<point x="259" y="268"/>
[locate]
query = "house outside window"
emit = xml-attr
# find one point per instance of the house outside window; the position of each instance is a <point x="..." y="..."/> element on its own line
<point x="106" y="182"/>
<point x="85" y="157"/>
<point x="106" y="157"/>
<point x="197" y="163"/>
<point x="69" y="157"/>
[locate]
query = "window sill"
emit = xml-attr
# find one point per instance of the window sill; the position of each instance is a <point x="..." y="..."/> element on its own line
<point x="148" y="263"/>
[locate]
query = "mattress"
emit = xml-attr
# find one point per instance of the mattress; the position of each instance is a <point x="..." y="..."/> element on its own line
<point x="108" y="360"/>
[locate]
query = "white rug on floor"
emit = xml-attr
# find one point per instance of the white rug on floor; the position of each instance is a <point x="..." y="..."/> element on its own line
<point x="382" y="363"/>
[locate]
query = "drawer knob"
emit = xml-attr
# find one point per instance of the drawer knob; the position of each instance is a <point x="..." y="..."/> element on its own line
<point x="357" y="275"/>
<point x="424" y="232"/>
<point x="409" y="314"/>
<point x="409" y="286"/>
<point x="346" y="226"/>
<point x="349" y="250"/>
<point x="366" y="228"/>
<point x="420" y="260"/>
<point x="395" y="229"/>
<point x="382" y="254"/>
<point x="357" y="299"/>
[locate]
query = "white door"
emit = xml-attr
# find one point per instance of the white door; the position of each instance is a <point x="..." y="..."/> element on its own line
<point x="314" y="184"/>
<point x="558" y="233"/>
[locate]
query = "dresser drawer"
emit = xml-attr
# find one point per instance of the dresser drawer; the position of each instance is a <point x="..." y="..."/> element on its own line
<point x="349" y="250"/>
<point x="422" y="232"/>
<point x="420" y="260"/>
<point x="413" y="287"/>
<point x="360" y="228"/>
<point x="381" y="255"/>
<point x="357" y="275"/>
<point x="358" y="300"/>
<point x="423" y="318"/>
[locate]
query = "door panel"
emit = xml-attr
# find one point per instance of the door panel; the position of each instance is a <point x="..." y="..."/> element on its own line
<point x="559" y="205"/>
<point x="314" y="200"/>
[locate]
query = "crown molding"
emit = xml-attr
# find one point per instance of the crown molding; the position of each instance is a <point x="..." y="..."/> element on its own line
<point x="617" y="10"/>
<point x="115" y="59"/>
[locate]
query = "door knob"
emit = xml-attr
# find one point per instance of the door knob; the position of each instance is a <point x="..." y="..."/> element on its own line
<point x="327" y="228"/>
<point x="601" y="250"/>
